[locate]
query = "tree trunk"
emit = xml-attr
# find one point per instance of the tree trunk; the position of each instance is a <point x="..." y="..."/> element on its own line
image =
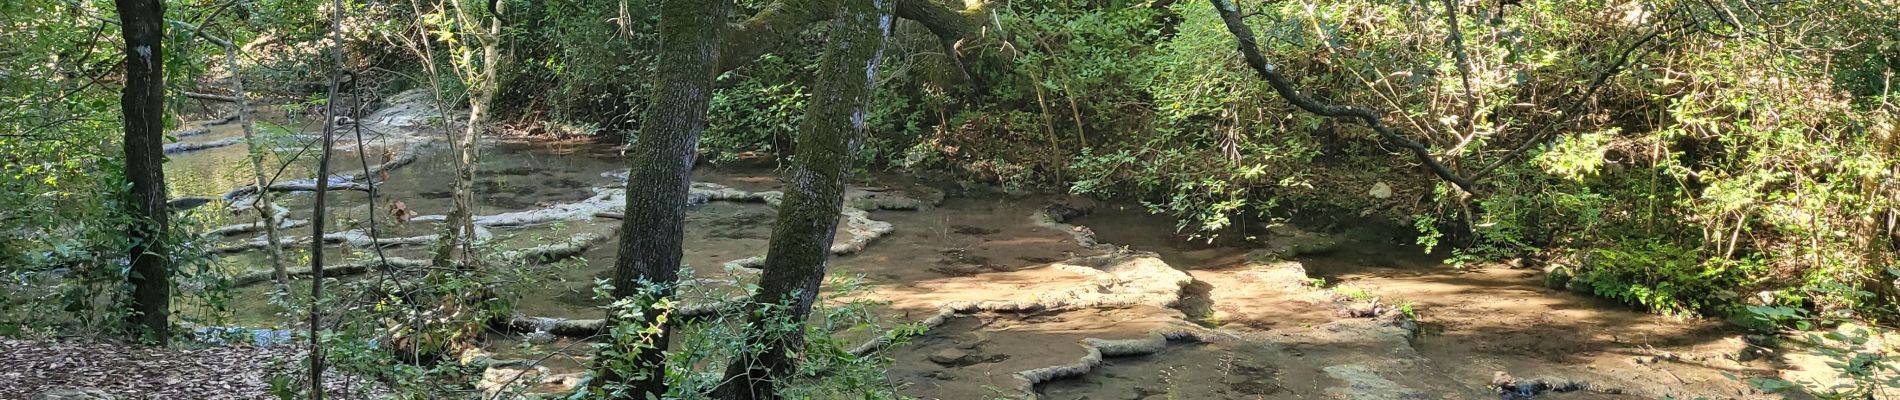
<point x="662" y="161"/>
<point x="482" y="80"/>
<point x="143" y="102"/>
<point x="319" y="213"/>
<point x="808" y="217"/>
<point x="263" y="202"/>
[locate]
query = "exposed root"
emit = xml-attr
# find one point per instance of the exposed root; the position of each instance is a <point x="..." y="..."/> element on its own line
<point x="332" y="270"/>
<point x="354" y="238"/>
<point x="1099" y="349"/>
<point x="278" y="214"/>
<point x="241" y="194"/>
<point x="347" y="181"/>
<point x="584" y="328"/>
<point x="553" y="251"/>
<point x="603" y="200"/>
<point x="227" y="119"/>
<point x="863" y="230"/>
<point x="185" y="133"/>
<point x="176" y="148"/>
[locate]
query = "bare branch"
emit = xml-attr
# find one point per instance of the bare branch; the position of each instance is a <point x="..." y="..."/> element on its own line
<point x="1251" y="51"/>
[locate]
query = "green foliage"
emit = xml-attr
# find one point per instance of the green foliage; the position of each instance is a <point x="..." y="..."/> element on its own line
<point x="826" y="367"/>
<point x="1662" y="277"/>
<point x="760" y="110"/>
<point x="583" y="63"/>
<point x="1859" y="355"/>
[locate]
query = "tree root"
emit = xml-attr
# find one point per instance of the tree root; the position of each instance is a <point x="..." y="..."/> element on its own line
<point x="354" y="237"/>
<point x="585" y="328"/>
<point x="176" y="148"/>
<point x="553" y="251"/>
<point x="332" y="270"/>
<point x="1098" y="349"/>
<point x="279" y="214"/>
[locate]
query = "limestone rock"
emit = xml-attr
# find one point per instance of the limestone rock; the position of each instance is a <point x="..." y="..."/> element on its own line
<point x="1380" y="191"/>
<point x="950" y="357"/>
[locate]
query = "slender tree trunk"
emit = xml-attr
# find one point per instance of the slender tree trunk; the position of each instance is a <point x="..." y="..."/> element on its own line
<point x="808" y="217"/>
<point x="263" y="202"/>
<point x="483" y="80"/>
<point x="143" y="102"/>
<point x="319" y="214"/>
<point x="662" y="164"/>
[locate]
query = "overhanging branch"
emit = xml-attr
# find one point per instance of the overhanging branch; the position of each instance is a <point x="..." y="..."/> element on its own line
<point x="780" y="22"/>
<point x="1250" y="49"/>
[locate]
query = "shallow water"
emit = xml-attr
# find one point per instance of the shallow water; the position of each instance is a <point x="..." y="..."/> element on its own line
<point x="985" y="247"/>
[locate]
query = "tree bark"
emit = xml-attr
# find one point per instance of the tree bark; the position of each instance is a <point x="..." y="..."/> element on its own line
<point x="483" y="81"/>
<point x="648" y="263"/>
<point x="263" y="202"/>
<point x="318" y="212"/>
<point x="808" y="217"/>
<point x="142" y="22"/>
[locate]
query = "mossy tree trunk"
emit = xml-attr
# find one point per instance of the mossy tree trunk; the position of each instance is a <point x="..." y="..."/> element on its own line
<point x="814" y="192"/>
<point x="143" y="102"/>
<point x="648" y="263"/>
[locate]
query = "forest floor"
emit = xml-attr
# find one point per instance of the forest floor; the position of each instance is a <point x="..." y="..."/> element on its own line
<point x="80" y="369"/>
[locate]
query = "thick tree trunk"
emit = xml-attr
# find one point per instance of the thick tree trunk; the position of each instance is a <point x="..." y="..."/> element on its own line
<point x="143" y="102"/>
<point x="662" y="162"/>
<point x="808" y="217"/>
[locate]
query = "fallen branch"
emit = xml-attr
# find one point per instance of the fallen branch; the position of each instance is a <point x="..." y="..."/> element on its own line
<point x="1249" y="49"/>
<point x="211" y="97"/>
<point x="176" y="148"/>
<point x="554" y="251"/>
<point x="301" y="186"/>
<point x="331" y="270"/>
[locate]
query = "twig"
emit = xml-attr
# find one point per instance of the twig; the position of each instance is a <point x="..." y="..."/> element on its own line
<point x="1623" y="59"/>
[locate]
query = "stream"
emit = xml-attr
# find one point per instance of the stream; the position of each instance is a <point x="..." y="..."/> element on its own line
<point x="1015" y="289"/>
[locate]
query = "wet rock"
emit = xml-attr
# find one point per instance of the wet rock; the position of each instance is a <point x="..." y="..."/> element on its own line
<point x="879" y="199"/>
<point x="950" y="357"/>
<point x="411" y="108"/>
<point x="539" y="337"/>
<point x="1360" y="382"/>
<point x="1558" y="277"/>
<point x="957" y="357"/>
<point x="75" y="394"/>
<point x="972" y="230"/>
